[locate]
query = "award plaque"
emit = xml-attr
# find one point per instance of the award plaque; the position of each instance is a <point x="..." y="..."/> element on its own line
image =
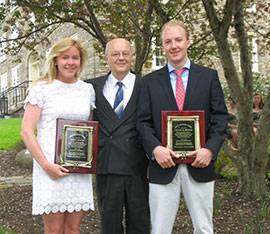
<point x="76" y="145"/>
<point x="183" y="132"/>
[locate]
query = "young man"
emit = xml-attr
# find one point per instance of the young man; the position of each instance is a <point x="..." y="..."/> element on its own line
<point x="201" y="90"/>
<point x="121" y="162"/>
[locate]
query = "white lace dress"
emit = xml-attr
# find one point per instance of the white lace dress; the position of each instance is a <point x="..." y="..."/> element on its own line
<point x="60" y="100"/>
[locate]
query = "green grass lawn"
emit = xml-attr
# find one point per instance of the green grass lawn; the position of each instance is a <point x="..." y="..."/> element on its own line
<point x="5" y="231"/>
<point x="10" y="133"/>
<point x="9" y="138"/>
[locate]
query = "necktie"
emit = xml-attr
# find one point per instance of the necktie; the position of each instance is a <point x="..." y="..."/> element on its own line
<point x="118" y="105"/>
<point x="180" y="89"/>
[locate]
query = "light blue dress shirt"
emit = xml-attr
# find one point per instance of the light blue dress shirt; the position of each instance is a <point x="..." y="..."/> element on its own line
<point x="173" y="76"/>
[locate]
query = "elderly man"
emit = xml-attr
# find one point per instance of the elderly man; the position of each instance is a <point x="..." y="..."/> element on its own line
<point x="121" y="162"/>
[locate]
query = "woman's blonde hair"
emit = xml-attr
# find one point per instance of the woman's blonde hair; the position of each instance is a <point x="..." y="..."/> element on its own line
<point x="58" y="48"/>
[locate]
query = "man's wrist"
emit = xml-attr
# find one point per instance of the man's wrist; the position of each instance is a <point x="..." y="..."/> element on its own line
<point x="153" y="154"/>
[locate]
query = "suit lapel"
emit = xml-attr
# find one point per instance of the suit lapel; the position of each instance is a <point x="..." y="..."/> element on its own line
<point x="131" y="106"/>
<point x="166" y="88"/>
<point x="111" y="121"/>
<point x="104" y="107"/>
<point x="194" y="74"/>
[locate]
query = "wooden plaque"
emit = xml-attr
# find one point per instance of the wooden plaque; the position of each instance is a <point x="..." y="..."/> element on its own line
<point x="183" y="132"/>
<point x="76" y="145"/>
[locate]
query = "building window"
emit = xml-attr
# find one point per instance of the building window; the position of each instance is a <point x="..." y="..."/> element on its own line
<point x="255" y="55"/>
<point x="15" y="80"/>
<point x="33" y="68"/>
<point x="3" y="82"/>
<point x="158" y="59"/>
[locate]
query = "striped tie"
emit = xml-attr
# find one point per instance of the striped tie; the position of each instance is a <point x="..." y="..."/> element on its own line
<point x="118" y="105"/>
<point x="180" y="89"/>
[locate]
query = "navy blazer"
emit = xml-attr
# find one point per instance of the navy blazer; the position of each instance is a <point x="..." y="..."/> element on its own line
<point x="119" y="150"/>
<point x="203" y="92"/>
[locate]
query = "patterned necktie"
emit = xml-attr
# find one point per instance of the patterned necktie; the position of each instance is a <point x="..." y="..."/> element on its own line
<point x="118" y="105"/>
<point x="180" y="89"/>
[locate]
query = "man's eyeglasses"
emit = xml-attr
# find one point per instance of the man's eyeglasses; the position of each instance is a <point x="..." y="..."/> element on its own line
<point x="124" y="54"/>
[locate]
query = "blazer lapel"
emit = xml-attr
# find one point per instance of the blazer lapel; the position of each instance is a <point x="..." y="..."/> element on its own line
<point x="104" y="106"/>
<point x="131" y="105"/>
<point x="107" y="111"/>
<point x="166" y="88"/>
<point x="194" y="74"/>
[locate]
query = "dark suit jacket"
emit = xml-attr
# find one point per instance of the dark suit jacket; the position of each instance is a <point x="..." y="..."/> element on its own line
<point x="203" y="92"/>
<point x="119" y="150"/>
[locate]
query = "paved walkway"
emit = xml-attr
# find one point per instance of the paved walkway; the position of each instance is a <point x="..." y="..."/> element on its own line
<point x="6" y="182"/>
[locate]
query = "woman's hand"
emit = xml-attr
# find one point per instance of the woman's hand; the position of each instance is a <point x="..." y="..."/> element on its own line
<point x="56" y="171"/>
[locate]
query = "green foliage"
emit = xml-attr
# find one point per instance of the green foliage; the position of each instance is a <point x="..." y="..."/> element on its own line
<point x="10" y="133"/>
<point x="261" y="84"/>
<point x="224" y="166"/>
<point x="264" y="209"/>
<point x="5" y="231"/>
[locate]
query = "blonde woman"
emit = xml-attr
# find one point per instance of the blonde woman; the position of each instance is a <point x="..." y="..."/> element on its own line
<point x="59" y="196"/>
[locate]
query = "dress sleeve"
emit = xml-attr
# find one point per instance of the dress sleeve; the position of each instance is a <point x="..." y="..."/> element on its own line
<point x="92" y="97"/>
<point x="35" y="96"/>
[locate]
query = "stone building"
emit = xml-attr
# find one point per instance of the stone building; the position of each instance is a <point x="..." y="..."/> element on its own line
<point x="16" y="77"/>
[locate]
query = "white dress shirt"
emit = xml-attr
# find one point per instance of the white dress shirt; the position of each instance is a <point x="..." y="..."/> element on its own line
<point x="111" y="87"/>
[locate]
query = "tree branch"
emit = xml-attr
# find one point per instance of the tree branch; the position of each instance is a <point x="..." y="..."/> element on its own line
<point x="159" y="11"/>
<point x="32" y="32"/>
<point x="212" y="16"/>
<point x="224" y="51"/>
<point x="96" y="26"/>
<point x="145" y="45"/>
<point x="245" y="54"/>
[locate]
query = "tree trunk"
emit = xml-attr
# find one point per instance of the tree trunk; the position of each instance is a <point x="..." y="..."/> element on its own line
<point x="143" y="39"/>
<point x="251" y="167"/>
<point x="251" y="157"/>
<point x="251" y="180"/>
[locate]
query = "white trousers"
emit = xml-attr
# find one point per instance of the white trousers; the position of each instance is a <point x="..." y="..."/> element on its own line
<point x="164" y="203"/>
